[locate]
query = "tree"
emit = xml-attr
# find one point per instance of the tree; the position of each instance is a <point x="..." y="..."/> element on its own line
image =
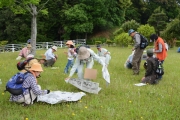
<point x="158" y="20"/>
<point x="23" y="6"/>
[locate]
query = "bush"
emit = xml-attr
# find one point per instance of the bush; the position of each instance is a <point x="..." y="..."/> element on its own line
<point x="4" y="42"/>
<point x="123" y="40"/>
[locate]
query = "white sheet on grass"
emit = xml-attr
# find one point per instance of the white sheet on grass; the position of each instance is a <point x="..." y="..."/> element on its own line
<point x="85" y="85"/>
<point x="55" y="97"/>
<point x="140" y="84"/>
<point x="105" y="74"/>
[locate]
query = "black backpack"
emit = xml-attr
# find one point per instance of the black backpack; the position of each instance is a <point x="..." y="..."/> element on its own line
<point x="21" y="65"/>
<point x="144" y="42"/>
<point x="159" y="70"/>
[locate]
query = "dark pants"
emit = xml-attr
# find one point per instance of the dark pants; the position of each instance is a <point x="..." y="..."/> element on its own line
<point x="137" y="60"/>
<point x="49" y="63"/>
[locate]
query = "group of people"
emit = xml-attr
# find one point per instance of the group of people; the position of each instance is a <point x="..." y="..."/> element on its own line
<point x="159" y="50"/>
<point x="86" y="56"/>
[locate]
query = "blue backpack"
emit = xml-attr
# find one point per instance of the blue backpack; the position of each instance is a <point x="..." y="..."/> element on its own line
<point x="14" y="85"/>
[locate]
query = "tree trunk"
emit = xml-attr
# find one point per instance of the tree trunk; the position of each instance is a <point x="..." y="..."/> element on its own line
<point x="34" y="29"/>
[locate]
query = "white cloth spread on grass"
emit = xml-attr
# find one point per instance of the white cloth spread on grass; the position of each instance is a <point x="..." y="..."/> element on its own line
<point x="85" y="85"/>
<point x="140" y="84"/>
<point x="55" y="97"/>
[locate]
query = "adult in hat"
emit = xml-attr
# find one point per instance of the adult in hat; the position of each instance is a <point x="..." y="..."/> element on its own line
<point x="104" y="54"/>
<point x="24" y="52"/>
<point x="71" y="54"/>
<point x="85" y="56"/>
<point x="50" y="56"/>
<point x="150" y="74"/>
<point x="159" y="48"/>
<point x="32" y="89"/>
<point x="136" y="61"/>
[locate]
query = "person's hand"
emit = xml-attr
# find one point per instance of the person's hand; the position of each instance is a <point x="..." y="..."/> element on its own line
<point x="133" y="49"/>
<point x="66" y="80"/>
<point x="48" y="91"/>
<point x="142" y="78"/>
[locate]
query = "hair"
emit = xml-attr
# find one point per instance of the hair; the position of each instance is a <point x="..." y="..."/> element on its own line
<point x="71" y="46"/>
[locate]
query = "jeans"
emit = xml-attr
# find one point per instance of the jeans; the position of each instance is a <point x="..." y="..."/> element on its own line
<point x="69" y="64"/>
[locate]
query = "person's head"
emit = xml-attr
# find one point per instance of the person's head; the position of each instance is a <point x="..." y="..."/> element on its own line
<point x="153" y="37"/>
<point x="41" y="59"/>
<point x="131" y="32"/>
<point x="83" y="53"/>
<point x="70" y="44"/>
<point x="98" y="47"/>
<point x="54" y="48"/>
<point x="29" y="41"/>
<point x="36" y="69"/>
<point x="150" y="52"/>
<point x="29" y="46"/>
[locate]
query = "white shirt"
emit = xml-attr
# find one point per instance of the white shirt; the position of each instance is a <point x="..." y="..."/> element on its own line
<point x="49" y="54"/>
<point x="102" y="52"/>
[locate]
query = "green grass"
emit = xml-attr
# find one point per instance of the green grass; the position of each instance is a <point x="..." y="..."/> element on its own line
<point x="121" y="100"/>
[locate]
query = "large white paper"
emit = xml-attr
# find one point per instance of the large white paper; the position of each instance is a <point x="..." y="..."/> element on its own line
<point x="85" y="85"/>
<point x="55" y="97"/>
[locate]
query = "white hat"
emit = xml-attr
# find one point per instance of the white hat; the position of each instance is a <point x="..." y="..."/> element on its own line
<point x="83" y="53"/>
<point x="55" y="48"/>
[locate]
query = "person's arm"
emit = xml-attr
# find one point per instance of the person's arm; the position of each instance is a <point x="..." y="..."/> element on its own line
<point x="160" y="48"/>
<point x="137" y="38"/>
<point x="31" y="81"/>
<point x="96" y="57"/>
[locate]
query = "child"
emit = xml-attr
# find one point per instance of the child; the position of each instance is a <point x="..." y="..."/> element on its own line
<point x="71" y="54"/>
<point x="150" y="75"/>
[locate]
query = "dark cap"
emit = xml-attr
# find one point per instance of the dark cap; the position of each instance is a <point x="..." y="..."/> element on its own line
<point x="98" y="46"/>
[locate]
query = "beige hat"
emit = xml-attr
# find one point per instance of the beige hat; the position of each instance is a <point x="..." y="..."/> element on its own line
<point x="83" y="53"/>
<point x="69" y="42"/>
<point x="29" y="46"/>
<point x="55" y="48"/>
<point x="36" y="67"/>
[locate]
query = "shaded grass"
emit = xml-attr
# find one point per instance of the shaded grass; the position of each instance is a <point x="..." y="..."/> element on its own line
<point x="121" y="100"/>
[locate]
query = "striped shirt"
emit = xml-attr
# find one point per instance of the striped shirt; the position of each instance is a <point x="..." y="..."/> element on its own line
<point x="29" y="82"/>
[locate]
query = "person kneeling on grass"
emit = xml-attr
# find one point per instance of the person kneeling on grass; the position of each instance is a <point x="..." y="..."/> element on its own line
<point x="51" y="58"/>
<point x="150" y="74"/>
<point x="32" y="89"/>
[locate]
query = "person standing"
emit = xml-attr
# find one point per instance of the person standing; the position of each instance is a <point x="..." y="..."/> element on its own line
<point x="138" y="51"/>
<point x="71" y="54"/>
<point x="50" y="57"/>
<point x="159" y="48"/>
<point x="104" y="53"/>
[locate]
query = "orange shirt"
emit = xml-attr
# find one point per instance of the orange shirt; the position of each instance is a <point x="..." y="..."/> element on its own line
<point x="160" y="55"/>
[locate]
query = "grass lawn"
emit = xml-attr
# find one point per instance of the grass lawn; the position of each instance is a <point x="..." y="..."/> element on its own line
<point x="121" y="100"/>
